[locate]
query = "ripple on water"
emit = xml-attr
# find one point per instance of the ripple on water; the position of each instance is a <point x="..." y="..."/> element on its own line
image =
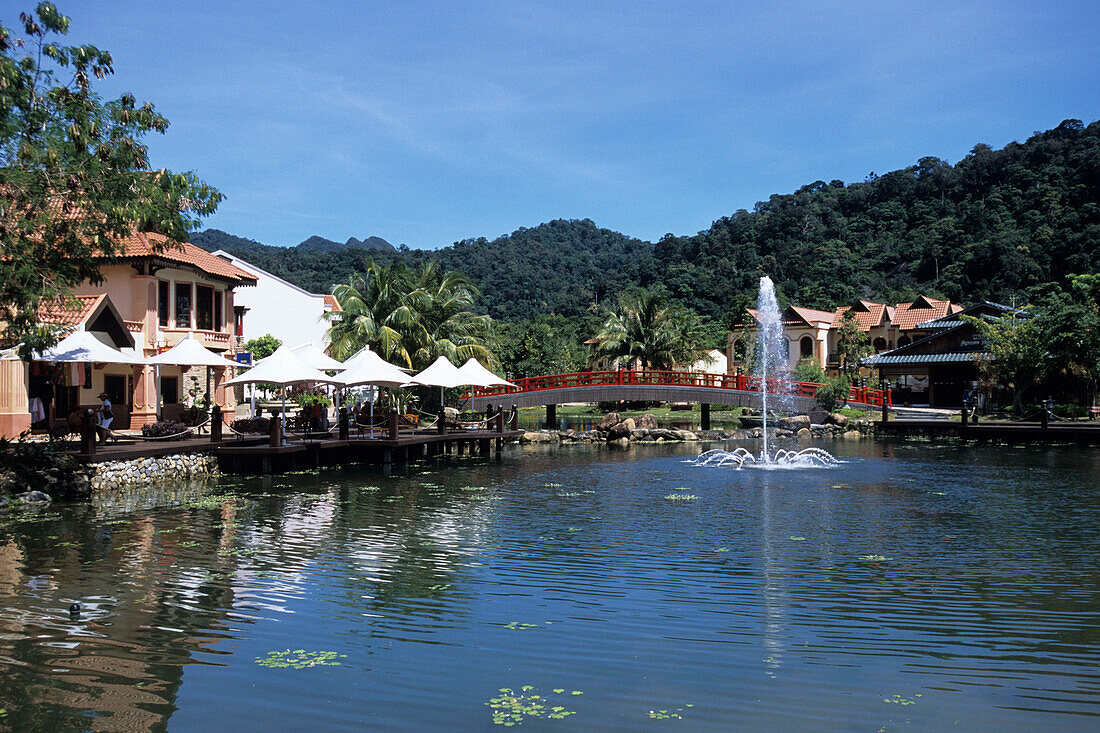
<point x="939" y="585"/>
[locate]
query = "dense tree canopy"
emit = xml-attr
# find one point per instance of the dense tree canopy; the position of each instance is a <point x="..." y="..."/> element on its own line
<point x="409" y="316"/>
<point x="73" y="172"/>
<point x="990" y="226"/>
<point x="643" y="327"/>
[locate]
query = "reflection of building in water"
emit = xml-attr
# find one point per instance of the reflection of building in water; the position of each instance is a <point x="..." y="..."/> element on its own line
<point x="148" y="590"/>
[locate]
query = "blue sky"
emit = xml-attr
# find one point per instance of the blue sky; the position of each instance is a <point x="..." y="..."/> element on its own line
<point x="428" y="122"/>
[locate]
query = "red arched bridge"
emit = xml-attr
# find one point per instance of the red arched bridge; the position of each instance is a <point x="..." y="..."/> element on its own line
<point x="658" y="386"/>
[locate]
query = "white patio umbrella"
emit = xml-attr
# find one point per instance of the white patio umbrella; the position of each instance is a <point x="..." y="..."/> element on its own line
<point x="317" y="359"/>
<point x="370" y="368"/>
<point x="366" y="354"/>
<point x="188" y="352"/>
<point x="441" y="373"/>
<point x="478" y="376"/>
<point x="283" y="368"/>
<point x="84" y="346"/>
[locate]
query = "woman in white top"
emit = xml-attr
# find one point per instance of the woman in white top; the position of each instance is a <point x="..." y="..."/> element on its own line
<point x="106" y="415"/>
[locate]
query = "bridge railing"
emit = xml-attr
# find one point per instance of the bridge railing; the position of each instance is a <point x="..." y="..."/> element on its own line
<point x="740" y="382"/>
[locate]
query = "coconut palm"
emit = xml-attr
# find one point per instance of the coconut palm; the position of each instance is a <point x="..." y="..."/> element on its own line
<point x="408" y="316"/>
<point x="644" y="328"/>
<point x="373" y="313"/>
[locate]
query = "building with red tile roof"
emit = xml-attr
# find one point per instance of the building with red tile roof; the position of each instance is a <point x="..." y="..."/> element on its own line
<point x="156" y="292"/>
<point x="812" y="334"/>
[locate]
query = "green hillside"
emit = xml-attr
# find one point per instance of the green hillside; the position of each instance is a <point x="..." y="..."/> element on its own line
<point x="992" y="225"/>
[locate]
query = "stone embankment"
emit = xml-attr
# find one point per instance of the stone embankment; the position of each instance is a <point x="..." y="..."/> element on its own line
<point x="644" y="429"/>
<point x="114" y="475"/>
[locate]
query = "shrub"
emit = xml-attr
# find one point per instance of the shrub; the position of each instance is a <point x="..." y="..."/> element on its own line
<point x="164" y="428"/>
<point x="808" y="370"/>
<point x="39" y="465"/>
<point x="832" y="392"/>
<point x="307" y="400"/>
<point x="252" y="425"/>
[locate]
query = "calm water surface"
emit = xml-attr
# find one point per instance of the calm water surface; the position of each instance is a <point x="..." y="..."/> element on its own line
<point x="916" y="586"/>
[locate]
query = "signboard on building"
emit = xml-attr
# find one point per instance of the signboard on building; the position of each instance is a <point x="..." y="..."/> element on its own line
<point x="244" y="358"/>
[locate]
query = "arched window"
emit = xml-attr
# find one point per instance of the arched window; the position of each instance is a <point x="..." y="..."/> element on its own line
<point x="879" y="344"/>
<point x="904" y="341"/>
<point x="739" y="350"/>
<point x="806" y="347"/>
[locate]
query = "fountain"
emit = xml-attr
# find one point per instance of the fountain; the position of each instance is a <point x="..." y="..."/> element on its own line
<point x="769" y="352"/>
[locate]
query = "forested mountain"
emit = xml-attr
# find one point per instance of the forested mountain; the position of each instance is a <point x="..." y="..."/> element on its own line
<point x="327" y="245"/>
<point x="993" y="225"/>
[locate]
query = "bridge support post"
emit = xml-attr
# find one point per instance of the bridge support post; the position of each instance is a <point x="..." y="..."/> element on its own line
<point x="704" y="415"/>
<point x="552" y="417"/>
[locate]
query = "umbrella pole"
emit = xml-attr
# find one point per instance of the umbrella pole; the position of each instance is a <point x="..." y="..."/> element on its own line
<point x="284" y="414"/>
<point x="372" y="411"/>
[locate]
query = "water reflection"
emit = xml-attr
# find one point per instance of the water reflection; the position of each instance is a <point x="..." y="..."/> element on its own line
<point x="961" y="577"/>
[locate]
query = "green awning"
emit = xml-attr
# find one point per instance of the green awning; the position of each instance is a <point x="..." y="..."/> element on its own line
<point x="953" y="357"/>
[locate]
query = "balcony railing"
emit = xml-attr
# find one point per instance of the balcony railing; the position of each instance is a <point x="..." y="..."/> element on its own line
<point x="213" y="339"/>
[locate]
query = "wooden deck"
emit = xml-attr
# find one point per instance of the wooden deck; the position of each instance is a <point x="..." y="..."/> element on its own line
<point x="1008" y="432"/>
<point x="256" y="455"/>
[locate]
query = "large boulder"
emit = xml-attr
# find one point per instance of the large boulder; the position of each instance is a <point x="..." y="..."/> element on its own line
<point x="803" y="432"/>
<point x="621" y="430"/>
<point x="646" y="421"/>
<point x="609" y="420"/>
<point x="686" y="435"/>
<point x="839" y="420"/>
<point x="852" y="435"/>
<point x="538" y="437"/>
<point x="796" y="422"/>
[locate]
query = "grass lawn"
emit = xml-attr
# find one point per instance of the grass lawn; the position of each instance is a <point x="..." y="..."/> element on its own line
<point x="663" y="412"/>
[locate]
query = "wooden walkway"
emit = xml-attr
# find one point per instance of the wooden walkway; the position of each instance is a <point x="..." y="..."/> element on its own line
<point x="256" y="455"/>
<point x="1007" y="432"/>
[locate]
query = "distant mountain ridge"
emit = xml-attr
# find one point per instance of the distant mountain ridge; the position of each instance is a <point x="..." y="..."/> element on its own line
<point x="327" y="245"/>
<point x="991" y="226"/>
<point x="215" y="239"/>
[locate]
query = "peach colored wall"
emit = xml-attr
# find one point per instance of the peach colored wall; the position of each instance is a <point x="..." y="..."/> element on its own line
<point x="135" y="296"/>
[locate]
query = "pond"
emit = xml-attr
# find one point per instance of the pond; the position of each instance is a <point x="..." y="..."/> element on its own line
<point x="915" y="585"/>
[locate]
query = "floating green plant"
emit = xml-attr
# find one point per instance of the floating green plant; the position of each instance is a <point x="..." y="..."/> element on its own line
<point x="669" y="714"/>
<point x="681" y="497"/>
<point x="299" y="659"/>
<point x="874" y="558"/>
<point x="516" y="625"/>
<point x="567" y="494"/>
<point x="511" y="708"/>
<point x="899" y="700"/>
<point x="721" y="549"/>
<point x="552" y="485"/>
<point x="796" y="538"/>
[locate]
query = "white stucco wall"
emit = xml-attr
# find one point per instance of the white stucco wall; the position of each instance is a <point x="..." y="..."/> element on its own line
<point x="279" y="308"/>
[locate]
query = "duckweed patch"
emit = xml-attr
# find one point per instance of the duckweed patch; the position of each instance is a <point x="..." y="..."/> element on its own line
<point x="899" y="700"/>
<point x="874" y="558"/>
<point x="516" y="625"/>
<point x="510" y="708"/>
<point x="681" y="497"/>
<point x="300" y="659"/>
<point x="675" y="714"/>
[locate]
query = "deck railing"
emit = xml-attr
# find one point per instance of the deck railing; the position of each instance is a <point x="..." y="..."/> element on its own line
<point x="739" y="382"/>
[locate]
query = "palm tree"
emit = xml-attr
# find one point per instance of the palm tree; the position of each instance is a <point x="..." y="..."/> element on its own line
<point x="373" y="313"/>
<point x="643" y="327"/>
<point x="409" y="316"/>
